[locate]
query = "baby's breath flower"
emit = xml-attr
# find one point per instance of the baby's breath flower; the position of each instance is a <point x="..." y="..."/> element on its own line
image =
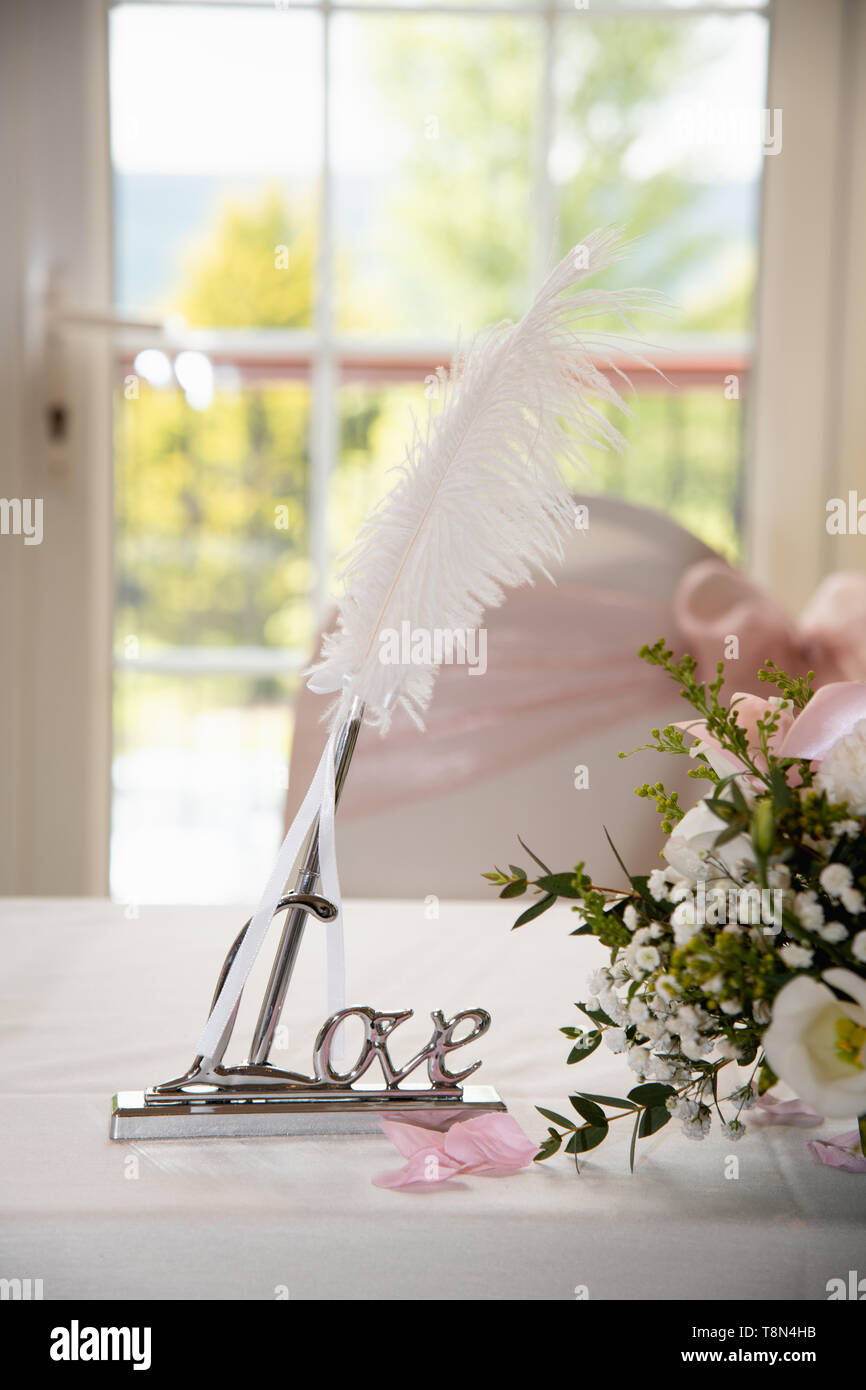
<point x="734" y="1130"/>
<point x="761" y="1012"/>
<point x="639" y="1059"/>
<point x="699" y="1127"/>
<point x="657" y="885"/>
<point x="796" y="957"/>
<point x="647" y="958"/>
<point x="809" y="910"/>
<point x="835" y="878"/>
<point x="833" y="932"/>
<point x="858" y="946"/>
<point x="848" y="827"/>
<point x="779" y="876"/>
<point x="851" y="898"/>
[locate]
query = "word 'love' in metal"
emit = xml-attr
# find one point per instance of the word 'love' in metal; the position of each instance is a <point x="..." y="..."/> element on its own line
<point x="378" y="1028"/>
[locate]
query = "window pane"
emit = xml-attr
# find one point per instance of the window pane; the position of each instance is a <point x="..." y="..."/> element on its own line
<point x="199" y="775"/>
<point x="670" y="432"/>
<point x="375" y="427"/>
<point x="211" y="518"/>
<point x="433" y="122"/>
<point x="216" y="145"/>
<point x="659" y="126"/>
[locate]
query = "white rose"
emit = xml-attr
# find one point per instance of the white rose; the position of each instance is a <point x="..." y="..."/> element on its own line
<point x="816" y="1042"/>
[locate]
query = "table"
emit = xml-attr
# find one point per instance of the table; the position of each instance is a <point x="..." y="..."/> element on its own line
<point x="98" y="997"/>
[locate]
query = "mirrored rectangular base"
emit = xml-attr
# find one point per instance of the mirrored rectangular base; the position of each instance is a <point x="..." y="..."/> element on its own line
<point x="134" y="1118"/>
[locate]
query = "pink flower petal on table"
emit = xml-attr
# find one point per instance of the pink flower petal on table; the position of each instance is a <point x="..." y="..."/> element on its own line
<point x="787" y="1112"/>
<point x="490" y="1145"/>
<point x="410" y="1139"/>
<point x="841" y="1151"/>
<point x="427" y="1168"/>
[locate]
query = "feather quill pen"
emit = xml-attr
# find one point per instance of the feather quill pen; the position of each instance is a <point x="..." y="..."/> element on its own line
<point x="482" y="500"/>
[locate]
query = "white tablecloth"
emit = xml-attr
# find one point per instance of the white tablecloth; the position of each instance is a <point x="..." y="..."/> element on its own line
<point x="95" y="1000"/>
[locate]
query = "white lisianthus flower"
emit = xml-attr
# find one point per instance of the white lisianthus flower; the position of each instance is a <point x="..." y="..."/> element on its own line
<point x="858" y="946"/>
<point x="843" y="770"/>
<point x="688" y="848"/>
<point x="657" y="885"/>
<point x="681" y="889"/>
<point x="796" y="957"/>
<point x="732" y="1007"/>
<point x="834" y="878"/>
<point x="816" y="1043"/>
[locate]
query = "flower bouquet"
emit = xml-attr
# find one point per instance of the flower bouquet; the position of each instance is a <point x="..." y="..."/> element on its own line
<point x="747" y="948"/>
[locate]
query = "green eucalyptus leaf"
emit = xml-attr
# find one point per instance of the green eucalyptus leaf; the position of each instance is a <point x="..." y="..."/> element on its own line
<point x="588" y="1110"/>
<point x="534" y="911"/>
<point x="554" y="1118"/>
<point x="652" y="1120"/>
<point x="633" y="1143"/>
<point x="613" y="1101"/>
<point x="514" y="890"/>
<point x="651" y="1093"/>
<point x="589" y="1041"/>
<point x="586" y="1138"/>
<point x="561" y="885"/>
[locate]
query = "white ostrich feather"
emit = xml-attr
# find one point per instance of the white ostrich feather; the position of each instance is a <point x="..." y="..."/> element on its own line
<point x="482" y="501"/>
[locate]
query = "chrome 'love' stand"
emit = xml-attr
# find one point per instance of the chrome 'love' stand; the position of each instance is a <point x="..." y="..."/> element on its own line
<point x="257" y="1098"/>
<point x="479" y="504"/>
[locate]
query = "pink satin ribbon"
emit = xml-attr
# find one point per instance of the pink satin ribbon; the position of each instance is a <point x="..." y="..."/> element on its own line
<point x="714" y="602"/>
<point x="563" y="667"/>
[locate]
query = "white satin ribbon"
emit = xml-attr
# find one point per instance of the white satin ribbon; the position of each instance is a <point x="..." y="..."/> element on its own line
<point x="319" y="801"/>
